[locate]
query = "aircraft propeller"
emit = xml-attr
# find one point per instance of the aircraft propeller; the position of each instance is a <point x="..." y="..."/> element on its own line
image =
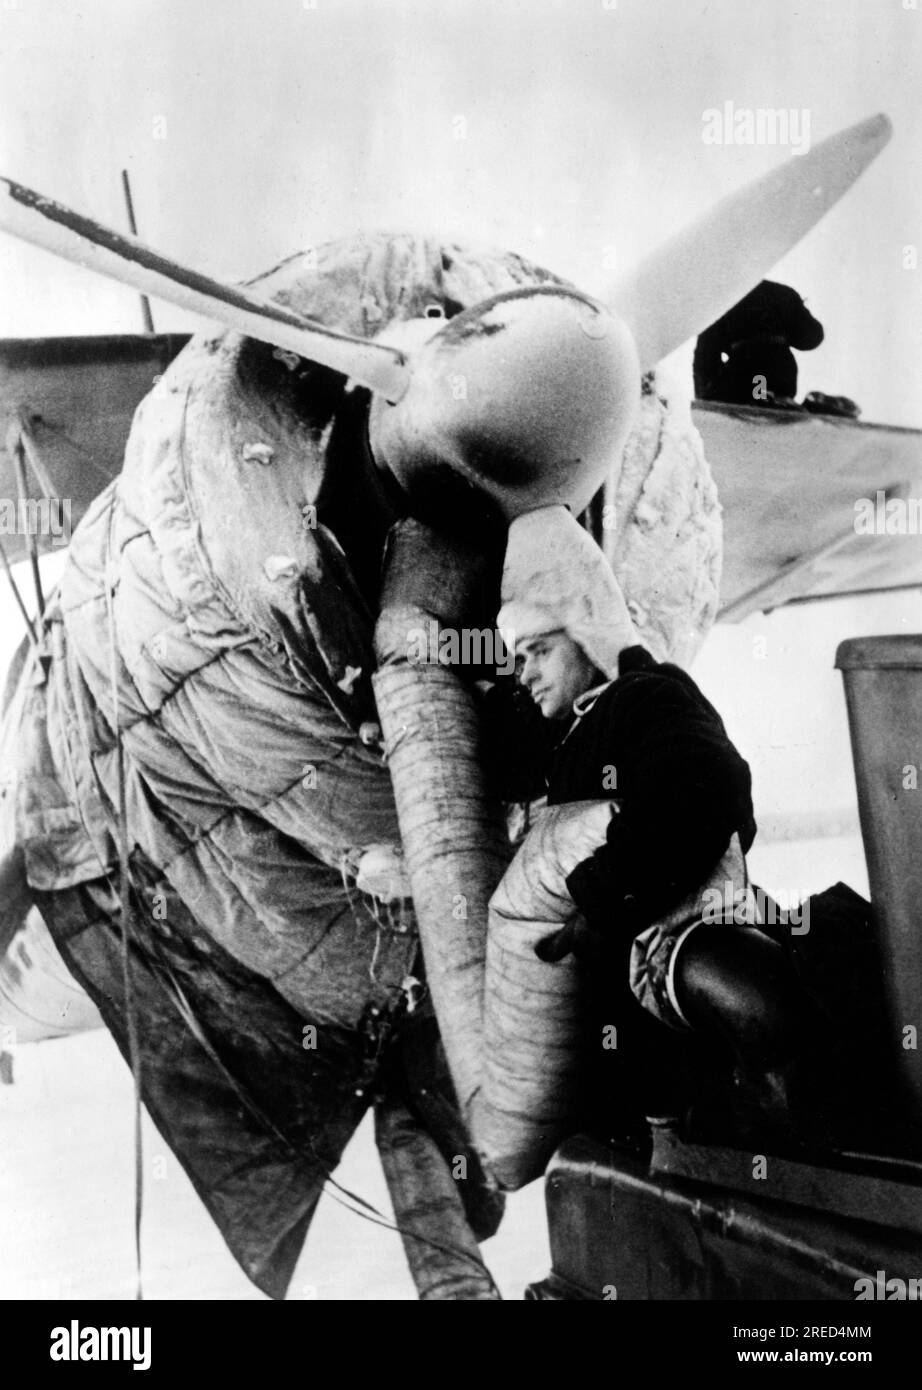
<point x="528" y="395"/>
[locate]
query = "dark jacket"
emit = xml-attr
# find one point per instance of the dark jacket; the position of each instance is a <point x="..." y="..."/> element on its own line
<point x="752" y="340"/>
<point x="652" y="742"/>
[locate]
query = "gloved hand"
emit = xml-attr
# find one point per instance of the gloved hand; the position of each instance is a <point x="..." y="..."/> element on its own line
<point x="576" y="937"/>
<point x="734" y="984"/>
<point x="587" y="942"/>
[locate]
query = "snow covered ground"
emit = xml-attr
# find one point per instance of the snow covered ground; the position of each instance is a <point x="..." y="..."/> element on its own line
<point x="67" y="1202"/>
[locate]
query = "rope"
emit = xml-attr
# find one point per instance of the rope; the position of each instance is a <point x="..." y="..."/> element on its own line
<point x="124" y="888"/>
<point x="17" y="449"/>
<point x="134" y="1054"/>
<point x="394" y="920"/>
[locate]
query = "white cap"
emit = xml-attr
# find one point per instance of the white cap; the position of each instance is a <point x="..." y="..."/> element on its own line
<point x="555" y="578"/>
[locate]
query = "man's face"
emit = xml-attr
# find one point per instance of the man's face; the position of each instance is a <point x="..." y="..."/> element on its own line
<point x="554" y="670"/>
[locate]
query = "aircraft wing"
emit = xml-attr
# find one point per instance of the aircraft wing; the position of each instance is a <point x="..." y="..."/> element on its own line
<point x="77" y="397"/>
<point x="788" y="482"/>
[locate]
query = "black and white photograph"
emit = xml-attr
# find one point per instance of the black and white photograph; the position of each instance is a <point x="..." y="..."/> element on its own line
<point x="461" y="659"/>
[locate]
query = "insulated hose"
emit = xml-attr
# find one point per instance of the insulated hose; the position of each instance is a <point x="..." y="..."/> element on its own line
<point x="453" y="836"/>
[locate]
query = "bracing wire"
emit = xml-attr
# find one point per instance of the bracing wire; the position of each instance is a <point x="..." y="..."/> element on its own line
<point x="134" y="1053"/>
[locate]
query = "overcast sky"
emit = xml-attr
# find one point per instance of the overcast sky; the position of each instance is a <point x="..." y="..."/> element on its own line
<point x="254" y="129"/>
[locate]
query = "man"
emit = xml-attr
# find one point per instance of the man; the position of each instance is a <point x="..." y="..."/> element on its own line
<point x="746" y="358"/>
<point x="625" y="727"/>
<point x="618" y="726"/>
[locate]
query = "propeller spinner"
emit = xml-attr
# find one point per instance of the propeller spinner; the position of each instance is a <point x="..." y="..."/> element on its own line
<point x="528" y="396"/>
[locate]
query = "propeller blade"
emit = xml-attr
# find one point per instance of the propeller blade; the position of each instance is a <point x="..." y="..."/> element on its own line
<point x="34" y="218"/>
<point x="696" y="276"/>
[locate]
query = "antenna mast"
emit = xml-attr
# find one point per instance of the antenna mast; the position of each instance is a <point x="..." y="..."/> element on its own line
<point x="132" y="227"/>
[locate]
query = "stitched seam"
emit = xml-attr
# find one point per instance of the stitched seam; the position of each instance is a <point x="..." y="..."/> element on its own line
<point x="257" y="812"/>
